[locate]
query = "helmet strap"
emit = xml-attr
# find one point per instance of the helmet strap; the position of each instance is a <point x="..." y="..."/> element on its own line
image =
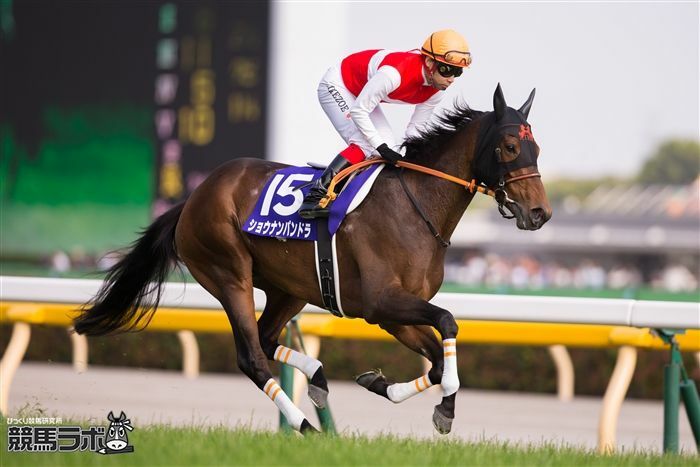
<point x="429" y="70"/>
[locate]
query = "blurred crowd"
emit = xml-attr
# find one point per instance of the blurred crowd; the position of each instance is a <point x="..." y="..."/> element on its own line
<point x="528" y="272"/>
<point x="493" y="270"/>
<point x="61" y="263"/>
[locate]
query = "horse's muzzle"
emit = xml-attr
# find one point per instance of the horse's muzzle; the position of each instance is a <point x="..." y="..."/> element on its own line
<point x="533" y="220"/>
<point x="539" y="216"/>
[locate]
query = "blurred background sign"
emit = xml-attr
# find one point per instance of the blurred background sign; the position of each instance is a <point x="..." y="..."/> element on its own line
<point x="86" y="85"/>
<point x="113" y="111"/>
<point x="210" y="90"/>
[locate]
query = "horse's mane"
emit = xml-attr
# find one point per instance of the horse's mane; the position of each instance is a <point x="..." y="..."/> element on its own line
<point x="435" y="135"/>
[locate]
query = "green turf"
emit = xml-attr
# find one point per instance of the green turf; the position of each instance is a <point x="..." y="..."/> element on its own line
<point x="160" y="445"/>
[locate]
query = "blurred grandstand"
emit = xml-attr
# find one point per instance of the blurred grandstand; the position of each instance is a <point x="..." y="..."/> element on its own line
<point x="617" y="237"/>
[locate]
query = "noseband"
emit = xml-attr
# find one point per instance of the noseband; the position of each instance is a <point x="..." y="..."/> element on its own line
<point x="501" y="195"/>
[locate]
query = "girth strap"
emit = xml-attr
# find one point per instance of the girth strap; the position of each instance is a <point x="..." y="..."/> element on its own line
<point x="326" y="273"/>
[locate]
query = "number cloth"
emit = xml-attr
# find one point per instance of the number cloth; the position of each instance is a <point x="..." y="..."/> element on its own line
<point x="276" y="210"/>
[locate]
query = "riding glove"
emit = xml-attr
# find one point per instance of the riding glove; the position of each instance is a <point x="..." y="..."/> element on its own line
<point x="389" y="154"/>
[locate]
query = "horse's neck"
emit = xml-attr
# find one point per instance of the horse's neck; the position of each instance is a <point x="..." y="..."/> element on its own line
<point x="445" y="201"/>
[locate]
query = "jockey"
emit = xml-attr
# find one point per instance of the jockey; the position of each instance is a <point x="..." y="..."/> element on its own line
<point x="350" y="94"/>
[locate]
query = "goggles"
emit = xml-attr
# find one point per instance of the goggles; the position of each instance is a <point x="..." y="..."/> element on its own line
<point x="455" y="57"/>
<point x="447" y="71"/>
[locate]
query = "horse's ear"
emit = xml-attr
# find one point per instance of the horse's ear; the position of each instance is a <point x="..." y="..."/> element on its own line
<point x="499" y="102"/>
<point x="122" y="416"/>
<point x="110" y="416"/>
<point x="525" y="109"/>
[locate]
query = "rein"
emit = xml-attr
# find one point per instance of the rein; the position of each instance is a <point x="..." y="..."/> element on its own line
<point x="471" y="186"/>
<point x="433" y="230"/>
<point x="499" y="194"/>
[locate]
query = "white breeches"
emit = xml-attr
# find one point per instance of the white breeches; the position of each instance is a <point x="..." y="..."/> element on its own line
<point x="336" y="100"/>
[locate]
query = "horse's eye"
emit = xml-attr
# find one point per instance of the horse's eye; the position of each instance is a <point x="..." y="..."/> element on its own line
<point x="510" y="147"/>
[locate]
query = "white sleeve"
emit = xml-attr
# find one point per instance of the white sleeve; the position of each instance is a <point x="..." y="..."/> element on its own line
<point x="421" y="115"/>
<point x="386" y="80"/>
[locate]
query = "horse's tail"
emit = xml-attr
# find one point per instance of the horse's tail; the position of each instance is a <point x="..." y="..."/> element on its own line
<point x="133" y="286"/>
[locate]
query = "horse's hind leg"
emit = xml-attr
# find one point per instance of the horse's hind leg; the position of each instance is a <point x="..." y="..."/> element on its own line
<point x="252" y="360"/>
<point x="421" y="340"/>
<point x="228" y="276"/>
<point x="279" y="309"/>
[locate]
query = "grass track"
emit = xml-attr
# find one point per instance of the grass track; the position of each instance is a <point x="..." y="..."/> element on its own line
<point x="159" y="445"/>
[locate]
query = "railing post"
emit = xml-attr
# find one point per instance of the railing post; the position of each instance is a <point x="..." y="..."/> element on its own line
<point x="614" y="397"/>
<point x="190" y="354"/>
<point x="677" y="384"/>
<point x="80" y="351"/>
<point x="689" y="393"/>
<point x="11" y="360"/>
<point x="287" y="379"/>
<point x="672" y="376"/>
<point x="691" y="401"/>
<point x="565" y="372"/>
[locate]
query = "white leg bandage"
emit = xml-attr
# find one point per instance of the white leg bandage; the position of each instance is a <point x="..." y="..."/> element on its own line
<point x="290" y="411"/>
<point x="450" y="379"/>
<point x="399" y="392"/>
<point x="303" y="363"/>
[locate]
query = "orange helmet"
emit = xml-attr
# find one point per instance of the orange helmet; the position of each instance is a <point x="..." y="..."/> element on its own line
<point x="448" y="46"/>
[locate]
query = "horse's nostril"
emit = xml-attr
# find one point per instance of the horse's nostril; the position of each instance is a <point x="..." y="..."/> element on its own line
<point x="537" y="215"/>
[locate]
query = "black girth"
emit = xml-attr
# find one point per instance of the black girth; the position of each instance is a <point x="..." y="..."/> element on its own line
<point x="326" y="274"/>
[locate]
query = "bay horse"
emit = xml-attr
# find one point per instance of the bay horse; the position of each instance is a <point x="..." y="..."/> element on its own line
<point x="390" y="262"/>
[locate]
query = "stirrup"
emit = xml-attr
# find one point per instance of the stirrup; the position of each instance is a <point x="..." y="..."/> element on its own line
<point x="314" y="212"/>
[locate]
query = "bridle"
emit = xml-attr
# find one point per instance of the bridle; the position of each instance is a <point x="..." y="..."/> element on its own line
<point x="507" y="167"/>
<point x="501" y="195"/>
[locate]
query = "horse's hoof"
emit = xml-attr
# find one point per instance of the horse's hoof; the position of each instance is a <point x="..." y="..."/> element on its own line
<point x="307" y="428"/>
<point x="318" y="396"/>
<point x="442" y="423"/>
<point x="370" y="377"/>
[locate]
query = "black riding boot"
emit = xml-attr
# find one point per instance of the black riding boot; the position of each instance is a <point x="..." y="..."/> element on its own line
<point x="310" y="208"/>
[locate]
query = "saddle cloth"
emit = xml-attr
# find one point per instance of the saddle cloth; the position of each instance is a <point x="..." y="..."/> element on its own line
<point x="275" y="214"/>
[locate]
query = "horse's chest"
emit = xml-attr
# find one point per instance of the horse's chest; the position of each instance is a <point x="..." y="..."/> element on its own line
<point x="423" y="278"/>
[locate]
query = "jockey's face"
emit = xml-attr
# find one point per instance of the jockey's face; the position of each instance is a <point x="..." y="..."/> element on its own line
<point x="437" y="80"/>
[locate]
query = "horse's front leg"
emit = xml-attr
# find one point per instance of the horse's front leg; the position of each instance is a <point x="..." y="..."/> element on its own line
<point x="420" y="339"/>
<point x="399" y="306"/>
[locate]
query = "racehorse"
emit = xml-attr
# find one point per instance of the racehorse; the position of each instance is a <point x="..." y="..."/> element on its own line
<point x="390" y="262"/>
